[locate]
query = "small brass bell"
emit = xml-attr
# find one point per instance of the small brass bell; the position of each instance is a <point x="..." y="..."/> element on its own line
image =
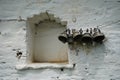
<point x="70" y="39"/>
<point x="98" y="36"/>
<point x="63" y="37"/>
<point x="87" y="37"/>
<point x="78" y="35"/>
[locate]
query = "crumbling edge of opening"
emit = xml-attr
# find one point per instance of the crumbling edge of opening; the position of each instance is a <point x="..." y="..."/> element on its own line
<point x="33" y="66"/>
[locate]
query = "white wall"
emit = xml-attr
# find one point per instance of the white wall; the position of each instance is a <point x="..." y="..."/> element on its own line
<point x="100" y="62"/>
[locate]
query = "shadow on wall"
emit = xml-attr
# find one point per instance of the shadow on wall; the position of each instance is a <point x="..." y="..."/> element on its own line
<point x="96" y="58"/>
<point x="90" y="60"/>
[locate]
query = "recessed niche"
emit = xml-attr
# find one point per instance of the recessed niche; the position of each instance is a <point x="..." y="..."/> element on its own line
<point x="44" y="50"/>
<point x="47" y="47"/>
<point x="43" y="45"/>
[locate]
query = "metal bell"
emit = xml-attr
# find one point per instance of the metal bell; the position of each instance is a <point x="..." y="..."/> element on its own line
<point x="98" y="36"/>
<point x="78" y="36"/>
<point x="63" y="37"/>
<point x="87" y="37"/>
<point x="70" y="39"/>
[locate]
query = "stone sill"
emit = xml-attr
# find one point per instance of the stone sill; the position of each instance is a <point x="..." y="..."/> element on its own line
<point x="33" y="66"/>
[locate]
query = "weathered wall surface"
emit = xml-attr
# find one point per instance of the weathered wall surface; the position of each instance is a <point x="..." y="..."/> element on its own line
<point x="100" y="62"/>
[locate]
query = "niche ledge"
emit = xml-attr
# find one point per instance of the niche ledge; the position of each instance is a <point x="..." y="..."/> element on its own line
<point x="33" y="66"/>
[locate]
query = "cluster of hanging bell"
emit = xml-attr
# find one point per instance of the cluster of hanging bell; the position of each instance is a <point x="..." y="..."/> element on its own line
<point x="89" y="36"/>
